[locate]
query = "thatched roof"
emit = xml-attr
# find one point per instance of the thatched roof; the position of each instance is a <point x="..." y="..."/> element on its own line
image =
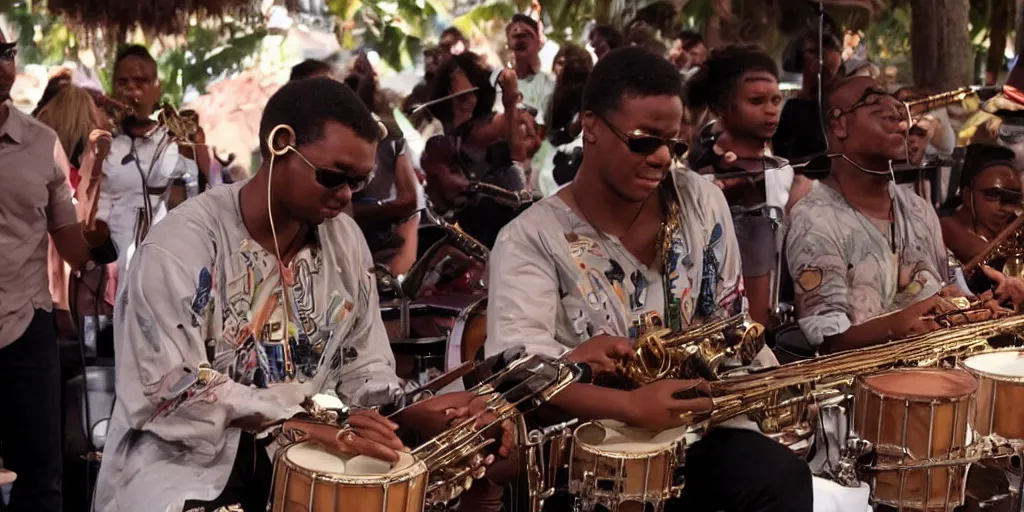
<point x="156" y="16"/>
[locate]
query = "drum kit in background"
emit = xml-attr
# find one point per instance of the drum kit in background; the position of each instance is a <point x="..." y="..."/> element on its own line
<point x="443" y="298"/>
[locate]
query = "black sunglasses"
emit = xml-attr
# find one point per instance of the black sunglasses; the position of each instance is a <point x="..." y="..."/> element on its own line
<point x="644" y="143"/>
<point x="8" y="51"/>
<point x="1003" y="195"/>
<point x="334" y="178"/>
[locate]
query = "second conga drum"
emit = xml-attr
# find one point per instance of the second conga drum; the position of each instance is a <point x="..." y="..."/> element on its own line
<point x="917" y="420"/>
<point x="307" y="478"/>
<point x="1000" y="392"/>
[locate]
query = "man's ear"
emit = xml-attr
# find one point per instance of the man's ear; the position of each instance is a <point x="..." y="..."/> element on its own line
<point x="281" y="137"/>
<point x="590" y="121"/>
<point x="838" y="127"/>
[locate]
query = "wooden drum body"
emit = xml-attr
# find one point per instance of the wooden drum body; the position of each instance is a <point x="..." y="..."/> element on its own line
<point x="622" y="468"/>
<point x="917" y="420"/>
<point x="307" y="478"/>
<point x="1000" y="377"/>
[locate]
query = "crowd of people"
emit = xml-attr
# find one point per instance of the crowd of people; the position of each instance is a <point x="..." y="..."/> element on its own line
<point x="657" y="189"/>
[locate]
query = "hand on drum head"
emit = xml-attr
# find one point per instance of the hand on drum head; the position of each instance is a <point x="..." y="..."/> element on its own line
<point x="1008" y="289"/>
<point x="657" y="406"/>
<point x="366" y="433"/>
<point x="602" y="353"/>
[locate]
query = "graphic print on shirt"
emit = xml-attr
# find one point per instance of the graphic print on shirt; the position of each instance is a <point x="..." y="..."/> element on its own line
<point x="268" y="338"/>
<point x="200" y="304"/>
<point x="706" y="299"/>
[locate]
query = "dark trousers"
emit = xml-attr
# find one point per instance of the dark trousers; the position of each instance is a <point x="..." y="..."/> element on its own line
<point x="30" y="436"/>
<point x="250" y="481"/>
<point x="741" y="471"/>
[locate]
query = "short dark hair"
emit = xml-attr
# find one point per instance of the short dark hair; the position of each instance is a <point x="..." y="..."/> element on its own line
<point x="629" y="71"/>
<point x="611" y="35"/>
<point x="717" y="79"/>
<point x="690" y="38"/>
<point x="982" y="156"/>
<point x="135" y="50"/>
<point x="478" y="75"/>
<point x="309" y="68"/>
<point x="305" y="105"/>
<point x="793" y="55"/>
<point x="525" y="20"/>
<point x="454" y="32"/>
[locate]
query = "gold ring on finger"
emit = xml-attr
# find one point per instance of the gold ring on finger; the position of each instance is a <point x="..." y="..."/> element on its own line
<point x="345" y="435"/>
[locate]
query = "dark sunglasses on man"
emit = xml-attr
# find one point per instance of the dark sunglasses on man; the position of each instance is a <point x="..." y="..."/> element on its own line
<point x="334" y="178"/>
<point x="644" y="143"/>
<point x="8" y="51"/>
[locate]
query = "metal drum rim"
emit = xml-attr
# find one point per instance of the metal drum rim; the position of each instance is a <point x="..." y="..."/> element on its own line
<point x="861" y="384"/>
<point x="665" y="448"/>
<point x="962" y="364"/>
<point x="407" y="474"/>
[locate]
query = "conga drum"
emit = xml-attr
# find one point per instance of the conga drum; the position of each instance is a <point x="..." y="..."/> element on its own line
<point x="917" y="420"/>
<point x="624" y="468"/>
<point x="1000" y="377"/>
<point x="308" y="478"/>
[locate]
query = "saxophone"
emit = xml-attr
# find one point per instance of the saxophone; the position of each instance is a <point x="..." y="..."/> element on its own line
<point x="502" y="196"/>
<point x="699" y="352"/>
<point x="457" y="237"/>
<point x="778" y="398"/>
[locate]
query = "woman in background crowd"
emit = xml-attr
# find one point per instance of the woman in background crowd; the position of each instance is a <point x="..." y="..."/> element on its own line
<point x="605" y="38"/>
<point x="79" y="124"/>
<point x="739" y="84"/>
<point x="386" y="210"/>
<point x="572" y="66"/>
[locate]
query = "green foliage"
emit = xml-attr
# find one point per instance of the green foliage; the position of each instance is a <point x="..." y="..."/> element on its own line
<point x="396" y="29"/>
<point x="56" y="44"/>
<point x="214" y="49"/>
<point x="888" y="40"/>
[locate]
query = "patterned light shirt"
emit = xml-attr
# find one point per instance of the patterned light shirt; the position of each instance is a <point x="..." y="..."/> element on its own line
<point x="555" y="282"/>
<point x="200" y="291"/>
<point x="122" y="198"/>
<point x="842" y="263"/>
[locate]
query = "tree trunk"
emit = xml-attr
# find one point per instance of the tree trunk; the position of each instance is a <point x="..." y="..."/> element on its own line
<point x="721" y="28"/>
<point x="999" y="25"/>
<point x="940" y="44"/>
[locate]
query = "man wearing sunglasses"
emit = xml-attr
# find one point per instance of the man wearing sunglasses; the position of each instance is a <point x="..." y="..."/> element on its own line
<point x="587" y="272"/>
<point x="865" y="255"/>
<point x="35" y="200"/>
<point x="242" y="302"/>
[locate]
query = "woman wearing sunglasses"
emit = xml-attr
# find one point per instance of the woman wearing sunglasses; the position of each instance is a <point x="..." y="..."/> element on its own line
<point x="991" y="199"/>
<point x="739" y="85"/>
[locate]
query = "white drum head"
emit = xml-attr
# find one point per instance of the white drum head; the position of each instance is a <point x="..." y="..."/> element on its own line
<point x="316" y="458"/>
<point x="1006" y="364"/>
<point x="328" y="401"/>
<point x="618" y="437"/>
